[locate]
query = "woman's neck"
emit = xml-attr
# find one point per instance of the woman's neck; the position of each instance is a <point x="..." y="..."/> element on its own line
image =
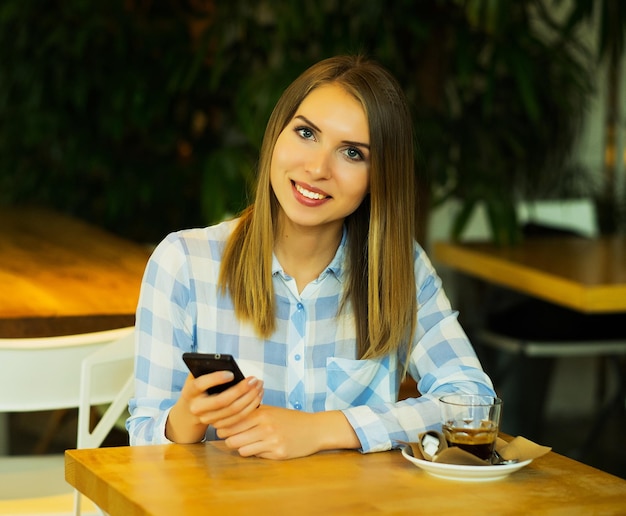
<point x="304" y="252"/>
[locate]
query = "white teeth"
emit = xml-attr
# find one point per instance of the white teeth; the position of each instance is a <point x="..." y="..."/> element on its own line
<point x="308" y="194"/>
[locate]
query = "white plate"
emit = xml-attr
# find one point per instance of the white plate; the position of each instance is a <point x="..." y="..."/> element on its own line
<point x="465" y="473"/>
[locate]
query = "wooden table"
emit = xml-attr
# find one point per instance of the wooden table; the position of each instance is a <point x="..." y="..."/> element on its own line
<point x="59" y="275"/>
<point x="208" y="478"/>
<point x="588" y="275"/>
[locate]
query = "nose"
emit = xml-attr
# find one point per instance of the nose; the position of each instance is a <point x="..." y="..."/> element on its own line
<point x="319" y="164"/>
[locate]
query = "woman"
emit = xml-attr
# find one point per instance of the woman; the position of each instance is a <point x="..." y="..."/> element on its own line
<point x="318" y="289"/>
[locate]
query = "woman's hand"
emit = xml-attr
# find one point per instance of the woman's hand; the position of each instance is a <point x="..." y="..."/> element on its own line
<point x="279" y="433"/>
<point x="195" y="410"/>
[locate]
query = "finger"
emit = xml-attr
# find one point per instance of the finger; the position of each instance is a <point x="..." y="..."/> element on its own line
<point x="249" y="385"/>
<point x="243" y="405"/>
<point x="263" y="449"/>
<point x="206" y="381"/>
<point x="214" y="408"/>
<point x="237" y="422"/>
<point x="256" y="449"/>
<point x="248" y="442"/>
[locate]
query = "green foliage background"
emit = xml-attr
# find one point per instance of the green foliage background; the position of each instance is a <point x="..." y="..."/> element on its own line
<point x="145" y="117"/>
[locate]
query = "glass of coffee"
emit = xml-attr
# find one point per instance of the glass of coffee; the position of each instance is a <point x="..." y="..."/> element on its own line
<point x="471" y="422"/>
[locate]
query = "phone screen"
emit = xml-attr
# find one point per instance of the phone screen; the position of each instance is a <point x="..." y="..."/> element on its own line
<point x="204" y="363"/>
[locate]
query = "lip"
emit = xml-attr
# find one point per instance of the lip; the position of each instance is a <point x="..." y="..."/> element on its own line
<point x="305" y="200"/>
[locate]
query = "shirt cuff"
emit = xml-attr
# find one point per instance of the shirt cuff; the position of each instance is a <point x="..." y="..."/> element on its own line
<point x="369" y="429"/>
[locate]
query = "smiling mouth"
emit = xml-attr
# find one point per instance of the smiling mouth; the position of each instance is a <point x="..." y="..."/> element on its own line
<point x="308" y="194"/>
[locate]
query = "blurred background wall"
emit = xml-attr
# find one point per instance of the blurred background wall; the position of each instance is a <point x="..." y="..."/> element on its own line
<point x="145" y="117"/>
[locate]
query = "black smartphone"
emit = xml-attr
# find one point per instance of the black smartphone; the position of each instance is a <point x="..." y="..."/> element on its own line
<point x="204" y="363"/>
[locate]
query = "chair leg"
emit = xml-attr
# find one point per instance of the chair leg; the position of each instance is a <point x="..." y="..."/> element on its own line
<point x="602" y="364"/>
<point x="616" y="403"/>
<point x="5" y="433"/>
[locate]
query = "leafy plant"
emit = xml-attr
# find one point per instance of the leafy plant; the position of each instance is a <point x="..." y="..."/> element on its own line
<point x="611" y="41"/>
<point x="498" y="88"/>
<point x="147" y="116"/>
<point x="521" y="86"/>
<point x="99" y="108"/>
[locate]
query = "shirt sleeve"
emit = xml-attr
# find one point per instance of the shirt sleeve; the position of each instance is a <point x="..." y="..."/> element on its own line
<point x="164" y="331"/>
<point x="442" y="360"/>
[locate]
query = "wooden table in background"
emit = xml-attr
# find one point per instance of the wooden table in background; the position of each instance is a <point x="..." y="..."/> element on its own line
<point x="588" y="275"/>
<point x="59" y="275"/>
<point x="208" y="478"/>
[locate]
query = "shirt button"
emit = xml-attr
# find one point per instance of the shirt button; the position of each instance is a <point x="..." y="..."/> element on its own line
<point x="297" y="357"/>
<point x="300" y="306"/>
<point x="297" y="405"/>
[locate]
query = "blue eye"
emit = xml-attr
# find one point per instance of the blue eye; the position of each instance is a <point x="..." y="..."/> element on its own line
<point x="354" y="154"/>
<point x="305" y="132"/>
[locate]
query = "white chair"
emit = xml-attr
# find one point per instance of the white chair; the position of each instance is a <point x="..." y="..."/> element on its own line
<point x="42" y="374"/>
<point x="107" y="376"/>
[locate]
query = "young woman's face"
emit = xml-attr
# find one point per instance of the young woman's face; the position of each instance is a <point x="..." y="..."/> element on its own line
<point x="321" y="160"/>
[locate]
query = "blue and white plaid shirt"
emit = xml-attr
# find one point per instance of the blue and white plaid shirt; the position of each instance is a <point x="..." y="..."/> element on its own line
<point x="310" y="362"/>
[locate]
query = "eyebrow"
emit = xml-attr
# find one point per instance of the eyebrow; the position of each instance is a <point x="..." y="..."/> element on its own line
<point x="349" y="142"/>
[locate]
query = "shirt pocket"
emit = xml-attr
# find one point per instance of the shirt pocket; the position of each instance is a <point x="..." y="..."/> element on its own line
<point x="350" y="383"/>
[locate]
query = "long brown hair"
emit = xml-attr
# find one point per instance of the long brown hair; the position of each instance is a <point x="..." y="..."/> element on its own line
<point x="381" y="285"/>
